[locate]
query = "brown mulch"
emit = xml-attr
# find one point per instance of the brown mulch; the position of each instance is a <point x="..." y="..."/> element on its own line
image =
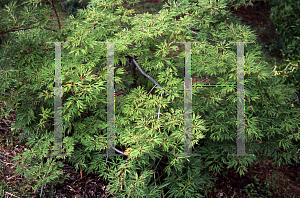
<point x="78" y="182"/>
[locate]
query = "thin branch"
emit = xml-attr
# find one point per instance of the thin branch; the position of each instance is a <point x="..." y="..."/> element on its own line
<point x="14" y="30"/>
<point x="50" y="29"/>
<point x="115" y="7"/>
<point x="49" y="48"/>
<point x="121" y="31"/>
<point x="159" y="109"/>
<point x="7" y="193"/>
<point x="296" y="97"/>
<point x="201" y="19"/>
<point x="59" y="25"/>
<point x="125" y="161"/>
<point x="151" y="90"/>
<point x="141" y="70"/>
<point x="94" y="26"/>
<point x="5" y="162"/>
<point x="118" y="151"/>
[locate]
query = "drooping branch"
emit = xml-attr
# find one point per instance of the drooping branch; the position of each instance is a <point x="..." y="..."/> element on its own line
<point x="141" y="70"/>
<point x="14" y="30"/>
<point x="59" y="25"/>
<point x="26" y="28"/>
<point x="156" y="83"/>
<point x="118" y="152"/>
<point x="132" y="69"/>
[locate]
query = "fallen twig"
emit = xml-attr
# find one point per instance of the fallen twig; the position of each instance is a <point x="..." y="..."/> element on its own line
<point x="10" y="194"/>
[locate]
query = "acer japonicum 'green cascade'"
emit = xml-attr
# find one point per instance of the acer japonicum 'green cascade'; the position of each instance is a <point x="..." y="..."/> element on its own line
<point x="150" y="142"/>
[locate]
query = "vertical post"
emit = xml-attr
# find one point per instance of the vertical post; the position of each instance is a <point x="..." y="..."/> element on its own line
<point x="110" y="101"/>
<point x="188" y="102"/>
<point x="240" y="102"/>
<point x="57" y="103"/>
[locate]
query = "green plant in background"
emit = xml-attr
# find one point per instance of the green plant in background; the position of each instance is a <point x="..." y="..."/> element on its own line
<point x="4" y="2"/>
<point x="286" y="18"/>
<point x="72" y="6"/>
<point x="149" y="144"/>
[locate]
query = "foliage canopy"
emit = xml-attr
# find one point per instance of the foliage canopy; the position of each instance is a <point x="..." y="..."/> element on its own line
<point x="149" y="142"/>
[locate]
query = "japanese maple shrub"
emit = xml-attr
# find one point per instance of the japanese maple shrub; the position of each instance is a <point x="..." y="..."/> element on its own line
<point x="149" y="124"/>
